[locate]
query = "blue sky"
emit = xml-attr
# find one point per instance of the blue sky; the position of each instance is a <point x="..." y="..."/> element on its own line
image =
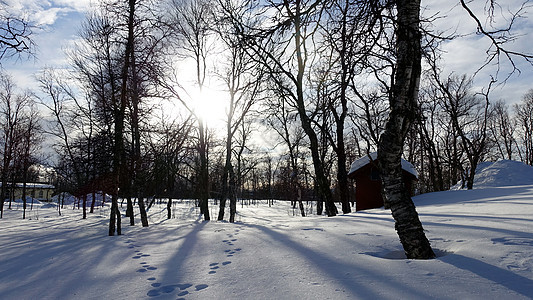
<point x="466" y="54"/>
<point x="60" y="20"/>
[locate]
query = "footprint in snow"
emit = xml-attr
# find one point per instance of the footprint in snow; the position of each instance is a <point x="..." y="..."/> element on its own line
<point x="317" y="229"/>
<point x="182" y="289"/>
<point x="150" y="268"/>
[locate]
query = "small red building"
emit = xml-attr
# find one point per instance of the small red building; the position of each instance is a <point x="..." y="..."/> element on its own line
<point x="368" y="183"/>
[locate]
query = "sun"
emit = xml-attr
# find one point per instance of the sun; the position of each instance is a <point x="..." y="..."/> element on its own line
<point x="210" y="106"/>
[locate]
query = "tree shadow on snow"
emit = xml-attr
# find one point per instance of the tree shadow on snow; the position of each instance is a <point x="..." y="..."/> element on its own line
<point x="172" y="275"/>
<point x="338" y="271"/>
<point x="508" y="279"/>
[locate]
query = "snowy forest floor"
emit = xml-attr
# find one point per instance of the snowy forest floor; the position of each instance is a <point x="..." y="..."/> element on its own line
<point x="483" y="239"/>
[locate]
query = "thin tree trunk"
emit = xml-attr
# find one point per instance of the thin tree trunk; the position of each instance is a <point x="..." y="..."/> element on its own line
<point x="302" y="209"/>
<point x="319" y="206"/>
<point x="204" y="173"/>
<point x="135" y="99"/>
<point x="24" y="197"/>
<point x="84" y="206"/>
<point x="342" y="180"/>
<point x="232" y="196"/>
<point x="129" y="210"/>
<point x="169" y="208"/>
<point x="12" y="192"/>
<point x="59" y="203"/>
<point x="118" y="159"/>
<point x="93" y="194"/>
<point x="113" y="215"/>
<point x="323" y="186"/>
<point x="227" y="166"/>
<point x="142" y="210"/>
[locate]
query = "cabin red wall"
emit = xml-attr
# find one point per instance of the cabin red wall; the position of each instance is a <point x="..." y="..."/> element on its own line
<point x="368" y="191"/>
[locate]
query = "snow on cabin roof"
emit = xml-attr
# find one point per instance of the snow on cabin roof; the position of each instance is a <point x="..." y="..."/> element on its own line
<point x="363" y="161"/>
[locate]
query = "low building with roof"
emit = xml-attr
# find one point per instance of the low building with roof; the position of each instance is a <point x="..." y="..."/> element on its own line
<point x="39" y="191"/>
<point x="365" y="172"/>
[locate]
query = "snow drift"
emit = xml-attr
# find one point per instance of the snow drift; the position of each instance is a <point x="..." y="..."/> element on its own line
<point x="503" y="173"/>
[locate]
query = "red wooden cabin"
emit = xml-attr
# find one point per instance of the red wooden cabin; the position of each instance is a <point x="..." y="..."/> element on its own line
<point x="368" y="183"/>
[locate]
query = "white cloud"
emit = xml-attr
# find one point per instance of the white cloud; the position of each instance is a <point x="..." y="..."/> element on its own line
<point x="77" y="5"/>
<point x="47" y="16"/>
<point x="45" y="13"/>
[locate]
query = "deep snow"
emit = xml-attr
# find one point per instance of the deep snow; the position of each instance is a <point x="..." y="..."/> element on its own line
<point x="483" y="238"/>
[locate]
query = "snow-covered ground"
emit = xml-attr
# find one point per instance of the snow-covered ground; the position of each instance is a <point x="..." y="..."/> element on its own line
<point x="483" y="237"/>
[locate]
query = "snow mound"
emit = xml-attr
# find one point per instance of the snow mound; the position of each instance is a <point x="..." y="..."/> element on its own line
<point x="503" y="173"/>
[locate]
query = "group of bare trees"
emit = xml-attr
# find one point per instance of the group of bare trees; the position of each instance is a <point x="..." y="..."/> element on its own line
<point x="101" y="108"/>
<point x="19" y="118"/>
<point x="19" y="140"/>
<point x="458" y="127"/>
<point x="324" y="82"/>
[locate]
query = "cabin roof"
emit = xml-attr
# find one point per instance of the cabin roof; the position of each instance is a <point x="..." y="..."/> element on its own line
<point x="365" y="160"/>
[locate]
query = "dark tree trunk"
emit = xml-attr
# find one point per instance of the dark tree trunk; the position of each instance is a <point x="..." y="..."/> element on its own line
<point x="142" y="210"/>
<point x="301" y="204"/>
<point x="169" y="208"/>
<point x="340" y="149"/>
<point x="113" y="222"/>
<point x="319" y="206"/>
<point x="323" y="187"/>
<point x="232" y="196"/>
<point x="222" y="207"/>
<point x="118" y="219"/>
<point x="203" y="180"/>
<point x="129" y="210"/>
<point x="225" y="175"/>
<point x="84" y="206"/>
<point x="403" y="109"/>
<point x="224" y="193"/>
<point x="342" y="180"/>
<point x="93" y="194"/>
<point x="12" y="192"/>
<point x="60" y="198"/>
<point x="120" y="109"/>
<point x="135" y="101"/>
<point x="24" y="196"/>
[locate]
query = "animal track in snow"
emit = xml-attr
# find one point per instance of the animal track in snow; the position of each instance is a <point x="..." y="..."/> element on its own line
<point x="183" y="289"/>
